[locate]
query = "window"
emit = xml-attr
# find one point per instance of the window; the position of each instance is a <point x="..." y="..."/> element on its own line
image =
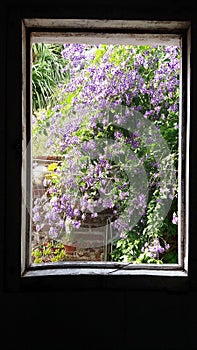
<point x="169" y="40"/>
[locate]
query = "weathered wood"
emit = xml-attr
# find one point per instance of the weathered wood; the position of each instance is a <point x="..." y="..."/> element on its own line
<point x="113" y="31"/>
<point x="105" y="24"/>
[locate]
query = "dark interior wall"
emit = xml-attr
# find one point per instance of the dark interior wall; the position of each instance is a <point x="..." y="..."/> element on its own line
<point x="97" y="318"/>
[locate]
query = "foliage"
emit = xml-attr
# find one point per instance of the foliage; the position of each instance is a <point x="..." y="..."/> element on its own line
<point x="50" y="251"/>
<point x="115" y="127"/>
<point x="47" y="73"/>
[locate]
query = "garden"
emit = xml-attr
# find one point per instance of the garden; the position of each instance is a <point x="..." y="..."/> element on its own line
<point x="105" y="150"/>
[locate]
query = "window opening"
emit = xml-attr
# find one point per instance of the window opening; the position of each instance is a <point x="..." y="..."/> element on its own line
<point x="105" y="129"/>
<point x="106" y="150"/>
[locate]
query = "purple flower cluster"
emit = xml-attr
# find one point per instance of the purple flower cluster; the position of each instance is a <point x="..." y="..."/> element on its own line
<point x="154" y="249"/>
<point x="92" y="176"/>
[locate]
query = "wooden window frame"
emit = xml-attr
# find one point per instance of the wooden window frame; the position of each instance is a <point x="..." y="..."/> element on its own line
<point x="99" y="274"/>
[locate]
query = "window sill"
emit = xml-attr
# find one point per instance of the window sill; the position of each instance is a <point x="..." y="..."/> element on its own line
<point x="108" y="277"/>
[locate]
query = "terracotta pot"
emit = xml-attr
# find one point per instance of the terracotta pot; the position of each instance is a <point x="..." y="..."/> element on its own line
<point x="70" y="248"/>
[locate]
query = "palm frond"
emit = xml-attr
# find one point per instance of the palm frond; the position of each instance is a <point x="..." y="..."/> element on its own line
<point x="47" y="65"/>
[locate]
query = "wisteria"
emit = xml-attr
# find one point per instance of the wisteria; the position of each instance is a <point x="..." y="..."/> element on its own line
<point x="115" y="130"/>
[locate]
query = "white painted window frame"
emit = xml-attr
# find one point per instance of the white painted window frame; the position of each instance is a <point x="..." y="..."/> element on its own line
<point x="114" y="31"/>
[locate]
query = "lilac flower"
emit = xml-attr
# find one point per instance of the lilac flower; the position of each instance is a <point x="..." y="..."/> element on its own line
<point x="37" y="217"/>
<point x="154" y="248"/>
<point x="102" y="76"/>
<point x="175" y="218"/>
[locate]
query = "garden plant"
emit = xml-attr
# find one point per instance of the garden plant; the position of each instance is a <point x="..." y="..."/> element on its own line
<point x="112" y="124"/>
